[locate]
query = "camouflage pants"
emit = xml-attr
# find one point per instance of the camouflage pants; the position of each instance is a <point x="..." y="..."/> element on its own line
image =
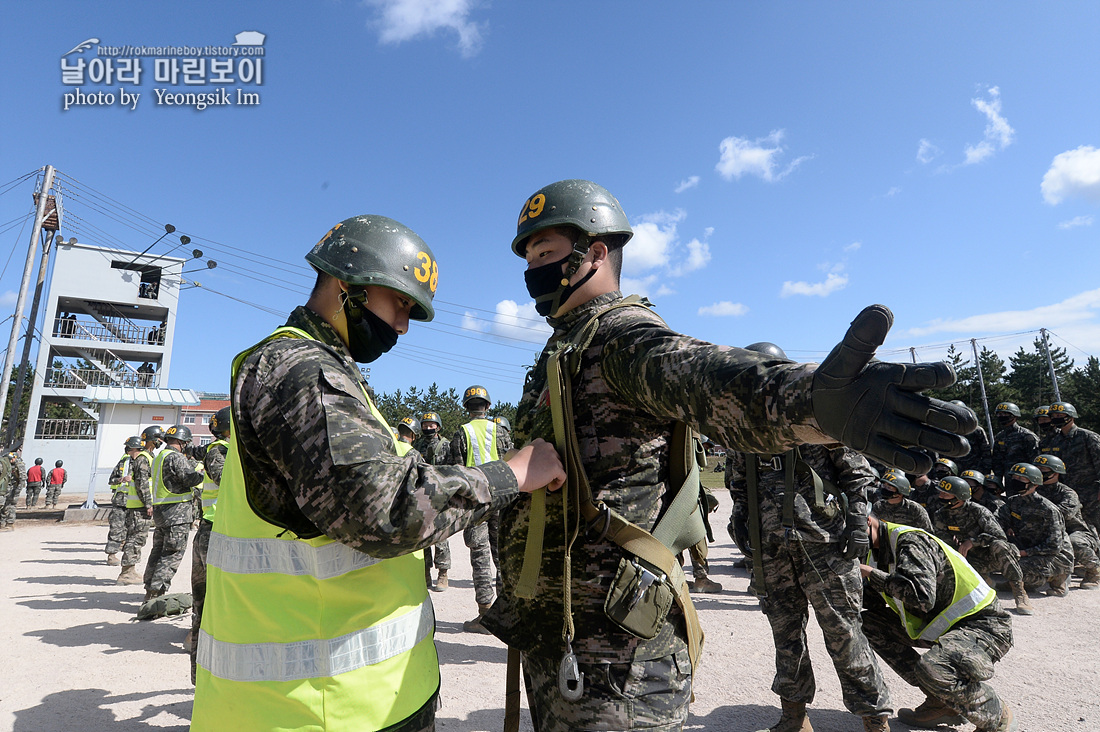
<point x="1090" y="510"/>
<point x="1000" y="556"/>
<point x="7" y="515"/>
<point x="53" y="492"/>
<point x="199" y="548"/>
<point x="137" y="531"/>
<point x="116" y="529"/>
<point x="33" y="492"/>
<point x="954" y="670"/>
<point x="651" y="695"/>
<point x="799" y="574"/>
<point x="438" y="556"/>
<point x="12" y="498"/>
<point x="481" y="558"/>
<point x="1085" y="546"/>
<point x="165" y="554"/>
<point x="699" y="564"/>
<point x="1038" y="569"/>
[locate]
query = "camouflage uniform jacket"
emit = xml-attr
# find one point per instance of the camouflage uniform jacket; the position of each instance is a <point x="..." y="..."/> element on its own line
<point x="19" y="474"/>
<point x="1034" y="525"/>
<point x="979" y="458"/>
<point x="969" y="522"/>
<point x="435" y="449"/>
<point x="909" y="513"/>
<point x="921" y="579"/>
<point x="846" y="468"/>
<point x="179" y="476"/>
<point x="1080" y="451"/>
<point x="457" y="445"/>
<point x="214" y="462"/>
<point x="990" y="500"/>
<point x="635" y="380"/>
<point x="318" y="461"/>
<point x="120" y="471"/>
<point x="1065" y="500"/>
<point x="142" y="471"/>
<point x="1014" y="444"/>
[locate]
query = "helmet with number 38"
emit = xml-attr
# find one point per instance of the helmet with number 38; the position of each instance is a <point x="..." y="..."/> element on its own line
<point x="580" y="204"/>
<point x="375" y="250"/>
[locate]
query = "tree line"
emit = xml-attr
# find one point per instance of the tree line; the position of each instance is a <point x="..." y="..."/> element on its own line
<point x="416" y="402"/>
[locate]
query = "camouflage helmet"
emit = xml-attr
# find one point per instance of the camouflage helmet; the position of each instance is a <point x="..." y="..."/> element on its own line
<point x="951" y="465"/>
<point x="581" y="204"/>
<point x="973" y="475"/>
<point x="1028" y="471"/>
<point x="1063" y="408"/>
<point x="1053" y="462"/>
<point x="955" y="486"/>
<point x="768" y="349"/>
<point x="431" y="417"/>
<point x="475" y="392"/>
<point x="503" y="422"/>
<point x="154" y="432"/>
<point x="1043" y="411"/>
<point x="375" y="250"/>
<point x="412" y="424"/>
<point x="898" y="481"/>
<point x="219" y="421"/>
<point x="1009" y="408"/>
<point x="133" y="443"/>
<point x="179" y="433"/>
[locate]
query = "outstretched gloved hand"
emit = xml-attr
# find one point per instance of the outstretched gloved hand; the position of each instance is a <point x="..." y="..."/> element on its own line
<point x="874" y="407"/>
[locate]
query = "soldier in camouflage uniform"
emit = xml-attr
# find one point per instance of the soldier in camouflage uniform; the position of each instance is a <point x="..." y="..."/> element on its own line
<point x="894" y="505"/>
<point x="468" y="452"/>
<point x="139" y="503"/>
<point x="1086" y="543"/>
<point x="18" y="474"/>
<point x="7" y="502"/>
<point x="917" y="572"/>
<point x="116" y="519"/>
<point x="633" y="378"/>
<point x="925" y="492"/>
<point x="1037" y="529"/>
<point x="983" y="489"/>
<point x="980" y="457"/>
<point x="36" y="477"/>
<point x="1013" y="443"/>
<point x="972" y="531"/>
<point x="320" y="460"/>
<point x="213" y="462"/>
<point x="436" y="451"/>
<point x="1079" y="449"/>
<point x="56" y="480"/>
<point x="172" y="519"/>
<point x="1043" y="428"/>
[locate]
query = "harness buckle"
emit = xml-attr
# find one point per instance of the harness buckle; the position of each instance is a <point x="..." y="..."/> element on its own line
<point x="605" y="517"/>
<point x="570" y="678"/>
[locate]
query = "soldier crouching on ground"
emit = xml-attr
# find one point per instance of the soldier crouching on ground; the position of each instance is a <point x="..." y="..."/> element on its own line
<point x="1082" y="536"/>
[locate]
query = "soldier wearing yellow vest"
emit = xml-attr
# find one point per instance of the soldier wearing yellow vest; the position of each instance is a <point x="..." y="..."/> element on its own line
<point x="930" y="597"/>
<point x="174" y="476"/>
<point x="213" y="463"/>
<point x="116" y="520"/>
<point x="317" y="616"/>
<point x="139" y="502"/>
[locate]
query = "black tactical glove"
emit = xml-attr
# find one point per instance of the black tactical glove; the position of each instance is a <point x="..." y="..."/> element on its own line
<point x="855" y="542"/>
<point x="875" y="407"/>
<point x="739" y="531"/>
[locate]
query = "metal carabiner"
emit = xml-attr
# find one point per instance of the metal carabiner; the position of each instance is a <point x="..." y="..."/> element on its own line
<point x="570" y="678"/>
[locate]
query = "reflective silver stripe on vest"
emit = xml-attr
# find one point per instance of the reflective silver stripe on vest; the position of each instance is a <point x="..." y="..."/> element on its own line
<point x="482" y="453"/>
<point x="208" y="502"/>
<point x="279" y="556"/>
<point x="943" y="621"/>
<point x="316" y="659"/>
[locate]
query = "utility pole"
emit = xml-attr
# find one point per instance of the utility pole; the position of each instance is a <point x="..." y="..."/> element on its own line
<point x="1050" y="365"/>
<point x="36" y="232"/>
<point x="981" y="383"/>
<point x="913" y="354"/>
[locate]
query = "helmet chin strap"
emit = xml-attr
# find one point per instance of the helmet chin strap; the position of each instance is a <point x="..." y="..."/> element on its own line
<point x="565" y="290"/>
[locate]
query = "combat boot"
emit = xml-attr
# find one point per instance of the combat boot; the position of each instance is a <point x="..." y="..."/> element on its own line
<point x="703" y="583"/>
<point x="1007" y="723"/>
<point x="1058" y="586"/>
<point x="793" y="719"/>
<point x="931" y="713"/>
<point x="1091" y="580"/>
<point x="1023" y="604"/>
<point x="441" y="582"/>
<point x="129" y="576"/>
<point x="112" y="560"/>
<point x="880" y="723"/>
<point x="475" y="626"/>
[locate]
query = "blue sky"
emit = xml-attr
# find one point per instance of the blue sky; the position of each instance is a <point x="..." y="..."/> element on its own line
<point x="783" y="164"/>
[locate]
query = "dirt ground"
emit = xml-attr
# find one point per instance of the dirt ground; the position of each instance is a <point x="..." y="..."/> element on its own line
<point x="74" y="658"/>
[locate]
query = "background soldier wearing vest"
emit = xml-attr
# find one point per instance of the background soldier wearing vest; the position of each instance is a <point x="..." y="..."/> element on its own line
<point x="174" y="476"/>
<point x="56" y="480"/>
<point x="36" y="477"/>
<point x="479" y="441"/>
<point x="920" y="575"/>
<point x="1079" y="449"/>
<point x="116" y="520"/>
<point x="139" y="502"/>
<point x="1086" y="543"/>
<point x="894" y="504"/>
<point x="408" y="430"/>
<point x="436" y="451"/>
<point x="315" y="480"/>
<point x="213" y="463"/>
<point x="1037" y="529"/>
<point x="1013" y="443"/>
<point x="630" y="380"/>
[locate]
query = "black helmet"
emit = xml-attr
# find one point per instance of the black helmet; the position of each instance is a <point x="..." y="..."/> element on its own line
<point x="1009" y="408"/>
<point x="152" y="434"/>
<point x="1053" y="462"/>
<point x="431" y="417"/>
<point x="375" y="250"/>
<point x="38" y="461"/>
<point x="768" y="349"/>
<point x="475" y="392"/>
<point x="581" y="204"/>
<point x="1063" y="408"/>
<point x="1028" y="471"/>
<point x="951" y="465"/>
<point x="412" y="424"/>
<point x="219" y="422"/>
<point x="974" y="475"/>
<point x="179" y="433"/>
<point x="898" y="481"/>
<point x="133" y="443"/>
<point x="503" y="422"/>
<point x="956" y="487"/>
<point x="59" y="463"/>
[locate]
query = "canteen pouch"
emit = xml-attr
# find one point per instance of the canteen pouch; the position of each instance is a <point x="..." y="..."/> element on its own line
<point x="639" y="599"/>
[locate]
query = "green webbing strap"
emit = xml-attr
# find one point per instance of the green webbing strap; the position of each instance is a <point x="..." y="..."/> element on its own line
<point x="511" y="691"/>
<point x="677" y="530"/>
<point x="532" y="553"/>
<point x="759" y="586"/>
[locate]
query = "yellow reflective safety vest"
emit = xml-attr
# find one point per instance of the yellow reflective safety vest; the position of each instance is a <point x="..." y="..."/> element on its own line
<point x="133" y="500"/>
<point x="127" y="478"/>
<point x="481" y="442"/>
<point x="161" y="495"/>
<point x="209" y="487"/>
<point x="971" y="592"/>
<point x="307" y="634"/>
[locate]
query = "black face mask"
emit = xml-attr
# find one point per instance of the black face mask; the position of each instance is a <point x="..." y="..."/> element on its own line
<point x="544" y="282"/>
<point x="431" y="433"/>
<point x="368" y="335"/>
<point x="1016" y="487"/>
<point x="1004" y="420"/>
<point x="886" y="495"/>
<point x="1046" y="427"/>
<point x="1057" y="424"/>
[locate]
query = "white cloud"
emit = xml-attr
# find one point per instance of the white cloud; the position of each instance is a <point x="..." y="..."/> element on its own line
<point x="1075" y="222"/>
<point x="687" y="183"/>
<point x="724" y="308"/>
<point x="1075" y="310"/>
<point x="927" y="152"/>
<point x="833" y="282"/>
<point x="656" y="245"/>
<point x="853" y="247"/>
<point x="1073" y="173"/>
<point x="998" y="133"/>
<point x="404" y="20"/>
<point x="638" y="285"/>
<point x="893" y="192"/>
<point x="8" y="299"/>
<point x="511" y="320"/>
<point x="740" y="156"/>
